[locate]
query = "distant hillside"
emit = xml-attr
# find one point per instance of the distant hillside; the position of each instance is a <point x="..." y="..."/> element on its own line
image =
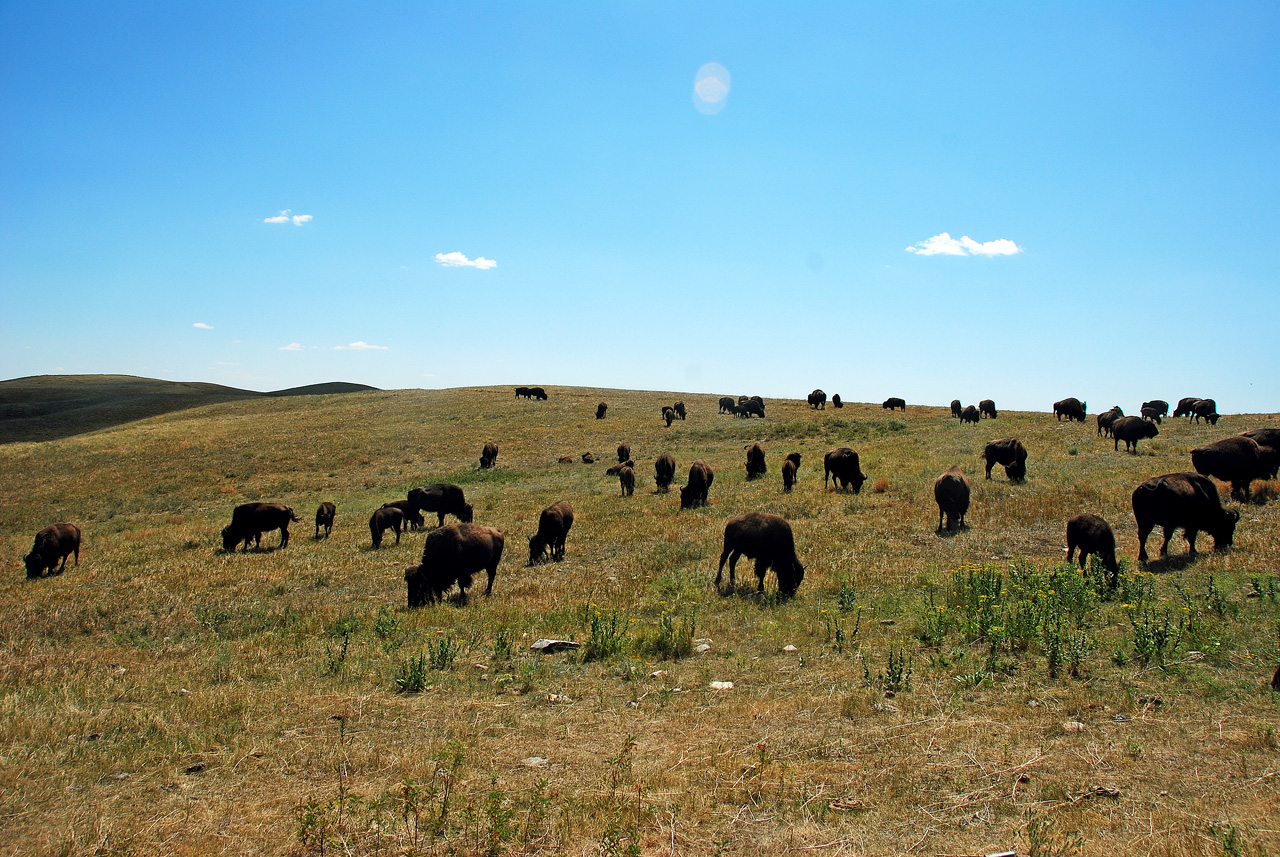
<point x="48" y="407"/>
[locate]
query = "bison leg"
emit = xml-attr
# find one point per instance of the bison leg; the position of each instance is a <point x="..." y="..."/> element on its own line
<point x="762" y="568"/>
<point x="284" y="536"/>
<point x="1168" y="534"/>
<point x="1143" y="532"/>
<point x="1191" y="540"/>
<point x="990" y="464"/>
<point x="939" y="520"/>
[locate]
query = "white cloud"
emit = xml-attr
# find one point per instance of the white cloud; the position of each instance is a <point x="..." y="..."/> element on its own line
<point x="292" y="346"/>
<point x="711" y="88"/>
<point x="360" y="346"/>
<point x="457" y="260"/>
<point x="299" y="219"/>
<point x="203" y="326"/>
<point x="944" y="245"/>
<point x="284" y="217"/>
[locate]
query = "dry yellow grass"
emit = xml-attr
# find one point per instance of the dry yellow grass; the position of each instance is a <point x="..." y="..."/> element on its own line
<point x="164" y="697"/>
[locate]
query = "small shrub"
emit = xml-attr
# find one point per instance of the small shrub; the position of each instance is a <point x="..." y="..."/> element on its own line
<point x="502" y="646"/>
<point x="411" y="677"/>
<point x="880" y="486"/>
<point x="1154" y="636"/>
<point x="672" y="639"/>
<point x="896" y="675"/>
<point x="338" y="657"/>
<point x="443" y="651"/>
<point x="607" y="635"/>
<point x="847" y="595"/>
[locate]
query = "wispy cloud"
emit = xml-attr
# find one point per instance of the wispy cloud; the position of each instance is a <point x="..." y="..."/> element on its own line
<point x="203" y="326"/>
<point x="944" y="245"/>
<point x="285" y="217"/>
<point x="457" y="260"/>
<point x="292" y="346"/>
<point x="360" y="346"/>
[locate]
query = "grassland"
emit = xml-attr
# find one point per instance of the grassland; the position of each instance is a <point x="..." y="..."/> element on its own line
<point x="946" y="695"/>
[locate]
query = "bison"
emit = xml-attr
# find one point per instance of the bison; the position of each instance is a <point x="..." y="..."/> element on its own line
<point x="54" y="542"/>
<point x="452" y="555"/>
<point x="324" y="518"/>
<point x="553" y="528"/>
<point x="443" y="499"/>
<point x="694" y="493"/>
<point x="538" y="393"/>
<point x="844" y="470"/>
<point x="668" y="415"/>
<point x="600" y="410"/>
<point x="1092" y="535"/>
<point x="1152" y="413"/>
<point x="1159" y="405"/>
<point x="624" y="452"/>
<point x="818" y="399"/>
<point x="386" y="518"/>
<point x="1267" y="438"/>
<point x="1238" y="460"/>
<point x="956" y="408"/>
<point x="251" y="520"/>
<point x="951" y="491"/>
<point x="727" y="404"/>
<point x="753" y="407"/>
<point x="768" y="540"/>
<point x="1186" y="500"/>
<point x="412" y="517"/>
<point x="836" y="401"/>
<point x="1009" y="452"/>
<point x="1131" y="430"/>
<point x="755" y="462"/>
<point x="627" y="480"/>
<point x="1205" y="409"/>
<point x="523" y="391"/>
<point x="664" y="470"/>
<point x="970" y="415"/>
<point x="790" y="466"/>
<point x="588" y="458"/>
<point x="1185" y="406"/>
<point x="893" y="403"/>
<point x="1071" y="408"/>
<point x="987" y="408"/>
<point x="678" y="407"/>
<point x="617" y="468"/>
<point x="1107" y="419"/>
<point x="488" y="455"/>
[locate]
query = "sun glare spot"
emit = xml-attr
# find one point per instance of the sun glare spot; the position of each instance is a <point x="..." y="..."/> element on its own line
<point x="711" y="88"/>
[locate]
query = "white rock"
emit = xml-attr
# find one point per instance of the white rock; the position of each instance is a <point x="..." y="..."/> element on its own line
<point x="534" y="762"/>
<point x="702" y="648"/>
<point x="789" y="648"/>
<point x="721" y="685"/>
<point x="657" y="674"/>
<point x="1073" y="726"/>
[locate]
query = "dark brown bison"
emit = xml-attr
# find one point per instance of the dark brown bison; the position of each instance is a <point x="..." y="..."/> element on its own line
<point x="617" y="468"/>
<point x="600" y="410"/>
<point x="793" y="457"/>
<point x="565" y="459"/>
<point x="488" y="455"/>
<point x="694" y="492"/>
<point x="1009" y="452"/>
<point x="678" y="407"/>
<point x="412" y="517"/>
<point x="753" y="408"/>
<point x="443" y="499"/>
<point x="727" y="404"/>
<point x="1204" y="410"/>
<point x="1160" y="406"/>
<point x="1185" y="406"/>
<point x="524" y="391"/>
<point x="951" y="491"/>
<point x="755" y="462"/>
<point x="956" y="408"/>
<point x="664" y="470"/>
<point x="251" y="520"/>
<point x="836" y="401"/>
<point x="588" y="458"/>
<point x="1152" y="414"/>
<point x="818" y="399"/>
<point x="1268" y="438"/>
<point x="624" y="452"/>
<point x="987" y="408"/>
<point x="790" y="465"/>
<point x="452" y="555"/>
<point x="553" y="528"/>
<point x="1212" y="418"/>
<point x="768" y="540"/>
<point x="1186" y="500"/>
<point x="55" y="542"/>
<point x="1238" y="460"/>
<point x="325" y="514"/>
<point x="627" y="480"/>
<point x="668" y="416"/>
<point x="1131" y="430"/>
<point x="843" y="468"/>
<point x="538" y="393"/>
<point x="1107" y="419"/>
<point x="1071" y="408"/>
<point x="386" y="518"/>
<point x="970" y="415"/>
<point x="1092" y="535"/>
<point x="893" y="403"/>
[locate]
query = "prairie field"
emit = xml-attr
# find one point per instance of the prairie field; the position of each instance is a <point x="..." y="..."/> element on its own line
<point x="953" y="694"/>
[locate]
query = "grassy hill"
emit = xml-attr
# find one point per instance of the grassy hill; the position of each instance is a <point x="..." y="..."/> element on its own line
<point x="48" y="407"/>
<point x="956" y="694"/>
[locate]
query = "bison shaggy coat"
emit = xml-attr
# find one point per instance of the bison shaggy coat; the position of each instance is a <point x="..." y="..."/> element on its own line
<point x="818" y="399"/>
<point x="325" y="514"/>
<point x="1009" y="452"/>
<point x="54" y="542"/>
<point x="664" y="470"/>
<point x="951" y="492"/>
<point x="1268" y="439"/>
<point x="1238" y="460"/>
<point x="768" y="540"/>
<point x="843" y="468"/>
<point x="412" y="517"/>
<point x="1071" y="408"/>
<point x="756" y="466"/>
<point x="668" y="415"/>
<point x="251" y="520"/>
<point x="1186" y="500"/>
<point x="893" y="403"/>
<point x="488" y="455"/>
<point x="386" y="518"/>
<point x="601" y="409"/>
<point x="1185" y="406"/>
<point x="1206" y="409"/>
<point x="1160" y="406"/>
<point x="837" y="401"/>
<point x="789" y="468"/>
<point x="443" y="499"/>
<point x="1107" y="419"/>
<point x="956" y="408"/>
<point x="678" y="407"/>
<point x="727" y="404"/>
<point x="624" y="452"/>
<point x="694" y="493"/>
<point x="987" y="408"/>
<point x="1092" y="535"/>
<point x="553" y="528"/>
<point x="627" y="480"/>
<point x="970" y="415"/>
<point x="453" y="554"/>
<point x="1131" y="430"/>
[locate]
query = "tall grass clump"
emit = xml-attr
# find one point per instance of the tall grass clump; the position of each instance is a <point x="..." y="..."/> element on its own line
<point x="606" y="634"/>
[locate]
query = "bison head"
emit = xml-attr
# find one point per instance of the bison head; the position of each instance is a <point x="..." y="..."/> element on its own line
<point x="1225" y="531"/>
<point x="688" y="497"/>
<point x="230" y="538"/>
<point x="789" y="581"/>
<point x="467" y="513"/>
<point x="421" y="593"/>
<point x="1016" y="471"/>
<point x="537" y="549"/>
<point x="34" y="563"/>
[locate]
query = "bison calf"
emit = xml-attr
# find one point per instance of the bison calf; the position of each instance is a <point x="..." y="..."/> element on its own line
<point x="488" y="455"/>
<point x="1092" y="535"/>
<point x="386" y="518"/>
<point x="553" y="529"/>
<point x="453" y="554"/>
<point x="951" y="492"/>
<point x="324" y="518"/>
<point x="54" y="542"/>
<point x="768" y="540"/>
<point x="627" y="480"/>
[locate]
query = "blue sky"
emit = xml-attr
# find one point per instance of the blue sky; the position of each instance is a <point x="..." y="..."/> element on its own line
<point x="1128" y="151"/>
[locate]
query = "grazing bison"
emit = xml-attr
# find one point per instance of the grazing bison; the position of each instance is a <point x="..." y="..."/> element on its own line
<point x="768" y="540"/>
<point x="678" y="407"/>
<point x="1267" y="438"/>
<point x="600" y="410"/>
<point x="412" y="517"/>
<point x="790" y="465"/>
<point x="1092" y="535"/>
<point x="1186" y="500"/>
<point x="694" y="493"/>
<point x="836" y="401"/>
<point x="753" y="407"/>
<point x="324" y="518"/>
<point x="1071" y="408"/>
<point x="668" y="415"/>
<point x="893" y="403"/>
<point x="627" y="480"/>
<point x="1131" y="430"/>
<point x="664" y="470"/>
<point x="951" y="491"/>
<point x="970" y="415"/>
<point x="588" y="458"/>
<point x="538" y="393"/>
<point x="1212" y="418"/>
<point x="386" y="518"/>
<point x="55" y="542"/>
<point x="987" y="408"/>
<point x="818" y="399"/>
<point x="1009" y="452"/>
<point x="617" y="468"/>
<point x="1205" y="409"/>
<point x="1185" y="406"/>
<point x="844" y="470"/>
<point x="443" y="499"/>
<point x="727" y="404"/>
<point x="452" y="555"/>
<point x="956" y="408"/>
<point x="1160" y="406"/>
<point x="624" y="452"/>
<point x="553" y="529"/>
<point x="1152" y="413"/>
<point x="755" y="462"/>
<point x="251" y="520"/>
<point x="488" y="455"/>
<point x="1107" y="419"/>
<point x="524" y="391"/>
<point x="1238" y="460"/>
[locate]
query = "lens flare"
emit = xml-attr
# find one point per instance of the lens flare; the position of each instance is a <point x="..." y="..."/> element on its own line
<point x="711" y="88"/>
